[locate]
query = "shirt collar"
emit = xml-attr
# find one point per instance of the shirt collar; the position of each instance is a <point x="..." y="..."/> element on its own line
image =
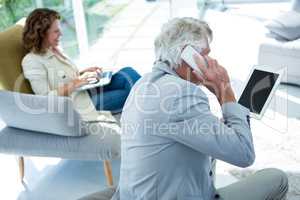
<point x="48" y="54"/>
<point x="164" y="66"/>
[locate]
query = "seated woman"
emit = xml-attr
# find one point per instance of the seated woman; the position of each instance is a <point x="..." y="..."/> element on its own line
<point x="50" y="72"/>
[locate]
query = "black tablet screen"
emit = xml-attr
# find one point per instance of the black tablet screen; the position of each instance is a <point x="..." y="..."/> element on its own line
<point x="258" y="90"/>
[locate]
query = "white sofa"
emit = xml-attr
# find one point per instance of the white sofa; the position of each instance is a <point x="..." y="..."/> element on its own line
<point x="284" y="53"/>
<point x="278" y="54"/>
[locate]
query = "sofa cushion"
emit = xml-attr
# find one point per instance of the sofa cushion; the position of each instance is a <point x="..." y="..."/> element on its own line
<point x="45" y="114"/>
<point x="286" y="25"/>
<point x="11" y="55"/>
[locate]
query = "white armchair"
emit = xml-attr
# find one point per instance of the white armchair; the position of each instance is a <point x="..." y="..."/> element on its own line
<point x="25" y="142"/>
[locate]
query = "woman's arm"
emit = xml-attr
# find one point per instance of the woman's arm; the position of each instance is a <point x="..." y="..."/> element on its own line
<point x="67" y="89"/>
<point x="37" y="76"/>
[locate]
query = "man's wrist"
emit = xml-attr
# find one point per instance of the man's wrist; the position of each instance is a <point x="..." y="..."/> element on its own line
<point x="227" y="96"/>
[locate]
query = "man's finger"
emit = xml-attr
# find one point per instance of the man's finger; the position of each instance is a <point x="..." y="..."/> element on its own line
<point x="215" y="63"/>
<point x="211" y="63"/>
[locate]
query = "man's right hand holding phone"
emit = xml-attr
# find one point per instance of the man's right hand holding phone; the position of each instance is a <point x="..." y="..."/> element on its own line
<point x="215" y="78"/>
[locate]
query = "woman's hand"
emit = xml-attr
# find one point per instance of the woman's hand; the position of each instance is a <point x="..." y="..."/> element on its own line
<point x="89" y="74"/>
<point x="68" y="88"/>
<point x="92" y="69"/>
<point x="82" y="79"/>
<point x="216" y="79"/>
<point x="78" y="82"/>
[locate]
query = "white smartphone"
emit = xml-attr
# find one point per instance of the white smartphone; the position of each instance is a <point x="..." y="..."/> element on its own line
<point x="188" y="56"/>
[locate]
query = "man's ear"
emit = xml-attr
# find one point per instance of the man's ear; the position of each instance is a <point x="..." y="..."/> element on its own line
<point x="186" y="72"/>
<point x="182" y="71"/>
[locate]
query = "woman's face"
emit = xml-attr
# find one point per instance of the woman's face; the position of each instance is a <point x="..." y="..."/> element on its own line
<point x="53" y="35"/>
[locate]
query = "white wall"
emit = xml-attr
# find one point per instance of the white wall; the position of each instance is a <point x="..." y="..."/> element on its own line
<point x="186" y="8"/>
<point x="252" y="1"/>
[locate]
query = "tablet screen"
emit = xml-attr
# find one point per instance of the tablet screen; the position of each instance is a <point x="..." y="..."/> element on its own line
<point x="257" y="90"/>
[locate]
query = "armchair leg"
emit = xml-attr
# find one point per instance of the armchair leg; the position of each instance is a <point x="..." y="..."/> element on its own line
<point x="108" y="173"/>
<point x="21" y="167"/>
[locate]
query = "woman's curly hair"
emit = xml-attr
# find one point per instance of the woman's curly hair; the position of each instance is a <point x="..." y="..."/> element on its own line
<point x="37" y="24"/>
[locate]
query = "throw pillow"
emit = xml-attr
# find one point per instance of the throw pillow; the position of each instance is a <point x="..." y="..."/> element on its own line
<point x="287" y="25"/>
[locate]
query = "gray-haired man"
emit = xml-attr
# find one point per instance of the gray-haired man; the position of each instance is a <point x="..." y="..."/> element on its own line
<point x="170" y="137"/>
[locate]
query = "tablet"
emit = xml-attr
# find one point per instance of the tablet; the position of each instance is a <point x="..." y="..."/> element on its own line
<point x="259" y="89"/>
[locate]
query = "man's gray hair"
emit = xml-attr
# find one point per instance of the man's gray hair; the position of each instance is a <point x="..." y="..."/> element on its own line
<point x="176" y="34"/>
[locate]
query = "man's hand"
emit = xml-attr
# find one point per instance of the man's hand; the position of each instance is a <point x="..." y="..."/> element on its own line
<point x="216" y="79"/>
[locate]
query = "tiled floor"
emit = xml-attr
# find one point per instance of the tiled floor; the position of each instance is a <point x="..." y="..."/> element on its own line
<point x="129" y="41"/>
<point x="52" y="178"/>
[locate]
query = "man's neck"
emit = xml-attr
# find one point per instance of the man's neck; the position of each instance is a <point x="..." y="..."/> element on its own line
<point x="185" y="72"/>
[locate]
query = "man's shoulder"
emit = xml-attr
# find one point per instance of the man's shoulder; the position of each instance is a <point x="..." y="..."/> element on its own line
<point x="170" y="89"/>
<point x="181" y="86"/>
<point x="170" y="84"/>
<point x="164" y="79"/>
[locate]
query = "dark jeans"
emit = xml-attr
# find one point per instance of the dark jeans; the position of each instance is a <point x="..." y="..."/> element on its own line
<point x="113" y="96"/>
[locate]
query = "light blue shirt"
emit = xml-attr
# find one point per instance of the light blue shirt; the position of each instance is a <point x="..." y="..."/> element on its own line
<point x="169" y="137"/>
